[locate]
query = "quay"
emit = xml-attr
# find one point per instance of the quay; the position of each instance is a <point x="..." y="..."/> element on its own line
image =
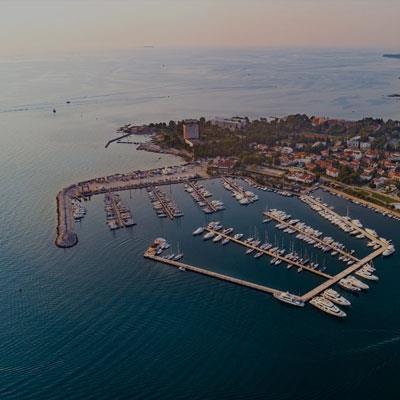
<point x="150" y="254"/>
<point x="271" y="254"/>
<point x="366" y="203"/>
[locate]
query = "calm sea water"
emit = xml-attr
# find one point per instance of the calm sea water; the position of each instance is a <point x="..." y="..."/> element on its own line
<point x="98" y="321"/>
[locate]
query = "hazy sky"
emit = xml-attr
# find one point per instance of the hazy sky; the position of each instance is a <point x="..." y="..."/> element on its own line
<point x="42" y="26"/>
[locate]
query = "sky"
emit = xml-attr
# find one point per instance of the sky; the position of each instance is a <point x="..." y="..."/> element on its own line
<point x="46" y="26"/>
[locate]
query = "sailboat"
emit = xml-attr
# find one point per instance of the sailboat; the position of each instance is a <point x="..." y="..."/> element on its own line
<point x="179" y="255"/>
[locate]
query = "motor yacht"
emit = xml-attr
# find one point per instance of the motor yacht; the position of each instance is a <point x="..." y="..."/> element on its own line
<point x="327" y="306"/>
<point x="289" y="298"/>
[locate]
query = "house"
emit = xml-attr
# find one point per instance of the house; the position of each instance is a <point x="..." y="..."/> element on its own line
<point x="332" y="172"/>
<point x="354" y="143"/>
<point x="301" y="177"/>
<point x="380" y="182"/>
<point x="365" y="146"/>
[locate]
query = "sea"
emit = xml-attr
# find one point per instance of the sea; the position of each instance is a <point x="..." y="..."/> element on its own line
<point x="98" y="321"/>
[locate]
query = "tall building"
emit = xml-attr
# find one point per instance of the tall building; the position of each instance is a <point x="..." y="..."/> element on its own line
<point x="191" y="129"/>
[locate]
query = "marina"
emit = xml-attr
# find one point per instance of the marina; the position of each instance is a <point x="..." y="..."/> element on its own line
<point x="323" y="295"/>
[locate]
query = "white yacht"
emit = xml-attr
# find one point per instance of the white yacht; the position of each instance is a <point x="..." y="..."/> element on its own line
<point x="198" y="231"/>
<point x="289" y="298"/>
<point x="335" y="297"/>
<point x="357" y="282"/>
<point x="346" y="284"/>
<point x="327" y="306"/>
<point x="371" y="232"/>
<point x="364" y="273"/>
<point x="390" y="250"/>
<point x="238" y="236"/>
<point x="225" y="241"/>
<point x="208" y="235"/>
<point x="217" y="238"/>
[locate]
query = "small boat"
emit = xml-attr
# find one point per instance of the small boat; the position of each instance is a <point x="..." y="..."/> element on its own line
<point x="178" y="257"/>
<point x="198" y="231"/>
<point x="208" y="235"/>
<point x="217" y="238"/>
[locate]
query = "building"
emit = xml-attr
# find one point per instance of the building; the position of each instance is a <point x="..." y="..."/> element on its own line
<point x="191" y="129"/>
<point x="354" y="142"/>
<point x="365" y="145"/>
<point x="332" y="172"/>
<point x="230" y="123"/>
<point x="301" y="177"/>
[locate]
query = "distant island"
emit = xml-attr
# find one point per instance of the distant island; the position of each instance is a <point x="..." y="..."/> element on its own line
<point x="392" y="55"/>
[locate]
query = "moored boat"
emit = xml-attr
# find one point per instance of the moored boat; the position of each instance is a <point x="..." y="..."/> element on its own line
<point x="335" y="297"/>
<point x="289" y="298"/>
<point x="327" y="306"/>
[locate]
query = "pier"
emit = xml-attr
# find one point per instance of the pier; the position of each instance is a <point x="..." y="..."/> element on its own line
<point x="313" y="237"/>
<point x="343" y="274"/>
<point x="311" y="201"/>
<point x="164" y="204"/>
<point x="118" y="138"/>
<point x="66" y="236"/>
<point x="202" y="197"/>
<point x="150" y="254"/>
<point x="233" y="185"/>
<point x="271" y="254"/>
